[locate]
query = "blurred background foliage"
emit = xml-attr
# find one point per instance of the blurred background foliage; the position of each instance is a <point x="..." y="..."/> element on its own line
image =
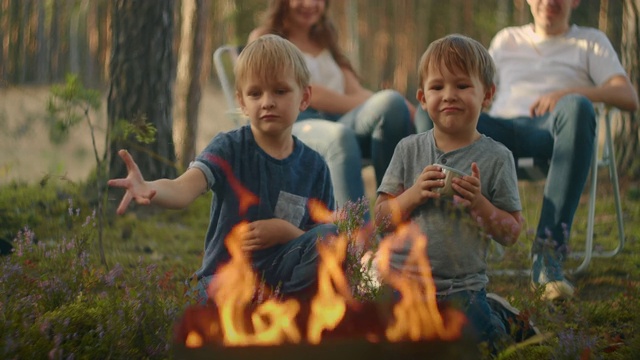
<point x="43" y="40"/>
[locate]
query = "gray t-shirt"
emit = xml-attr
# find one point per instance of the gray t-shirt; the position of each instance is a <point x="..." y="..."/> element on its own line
<point x="456" y="247"/>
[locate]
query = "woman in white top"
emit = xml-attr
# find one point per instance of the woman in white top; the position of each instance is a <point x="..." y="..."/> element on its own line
<point x="345" y="121"/>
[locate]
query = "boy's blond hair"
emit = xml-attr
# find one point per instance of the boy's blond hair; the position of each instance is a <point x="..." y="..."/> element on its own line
<point x="267" y="58"/>
<point x="458" y="53"/>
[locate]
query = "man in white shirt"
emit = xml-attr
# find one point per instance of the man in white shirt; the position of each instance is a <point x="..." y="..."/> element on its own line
<point x="549" y="74"/>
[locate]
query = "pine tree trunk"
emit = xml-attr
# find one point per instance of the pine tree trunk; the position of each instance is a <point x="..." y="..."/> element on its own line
<point x="188" y="79"/>
<point x="141" y="81"/>
<point x="627" y="139"/>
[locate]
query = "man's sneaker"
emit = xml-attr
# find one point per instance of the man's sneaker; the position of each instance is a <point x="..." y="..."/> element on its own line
<point x="518" y="326"/>
<point x="546" y="273"/>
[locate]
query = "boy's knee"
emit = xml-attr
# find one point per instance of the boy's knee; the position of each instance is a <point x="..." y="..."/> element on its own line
<point x="324" y="231"/>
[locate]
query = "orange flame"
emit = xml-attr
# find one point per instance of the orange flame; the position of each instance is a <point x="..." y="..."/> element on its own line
<point x="246" y="198"/>
<point x="415" y="316"/>
<point x="330" y="303"/>
<point x="194" y="340"/>
<point x="272" y="322"/>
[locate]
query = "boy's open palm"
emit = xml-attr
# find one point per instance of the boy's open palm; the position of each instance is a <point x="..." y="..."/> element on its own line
<point x="468" y="188"/>
<point x="134" y="184"/>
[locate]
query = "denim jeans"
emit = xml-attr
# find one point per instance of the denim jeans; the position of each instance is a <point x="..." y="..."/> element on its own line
<point x="422" y="120"/>
<point x="484" y="324"/>
<point x="372" y="131"/>
<point x="564" y="137"/>
<point x="293" y="267"/>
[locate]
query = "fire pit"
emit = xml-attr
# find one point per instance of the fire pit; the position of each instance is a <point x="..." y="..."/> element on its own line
<point x="360" y="335"/>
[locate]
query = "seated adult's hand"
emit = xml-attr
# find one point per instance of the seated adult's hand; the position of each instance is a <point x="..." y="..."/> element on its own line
<point x="136" y="187"/>
<point x="546" y="103"/>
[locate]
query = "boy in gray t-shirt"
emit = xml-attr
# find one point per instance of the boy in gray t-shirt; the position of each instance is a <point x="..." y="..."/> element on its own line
<point x="456" y="82"/>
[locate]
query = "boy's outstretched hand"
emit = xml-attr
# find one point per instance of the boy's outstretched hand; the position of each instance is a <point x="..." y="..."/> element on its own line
<point x="135" y="185"/>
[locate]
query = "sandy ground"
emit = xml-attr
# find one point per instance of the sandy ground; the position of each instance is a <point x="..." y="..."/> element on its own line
<point x="27" y="154"/>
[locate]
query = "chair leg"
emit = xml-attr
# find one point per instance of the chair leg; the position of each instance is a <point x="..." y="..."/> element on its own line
<point x="613" y="176"/>
<point x="609" y="160"/>
<point x="588" y="247"/>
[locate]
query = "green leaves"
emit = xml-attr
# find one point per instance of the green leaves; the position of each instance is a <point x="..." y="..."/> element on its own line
<point x="67" y="106"/>
<point x="143" y="131"/>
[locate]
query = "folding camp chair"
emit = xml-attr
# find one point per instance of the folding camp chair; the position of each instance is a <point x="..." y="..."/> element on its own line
<point x="534" y="169"/>
<point x="224" y="59"/>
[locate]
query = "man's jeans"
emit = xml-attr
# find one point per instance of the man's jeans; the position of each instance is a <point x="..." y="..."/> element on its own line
<point x="293" y="267"/>
<point x="372" y="131"/>
<point x="565" y="137"/>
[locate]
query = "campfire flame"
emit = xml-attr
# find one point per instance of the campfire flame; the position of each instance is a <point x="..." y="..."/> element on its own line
<point x="238" y="322"/>
<point x="330" y="303"/>
<point x="416" y="314"/>
<point x="272" y="322"/>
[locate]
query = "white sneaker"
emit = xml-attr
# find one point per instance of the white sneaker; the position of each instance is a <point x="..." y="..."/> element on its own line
<point x="546" y="273"/>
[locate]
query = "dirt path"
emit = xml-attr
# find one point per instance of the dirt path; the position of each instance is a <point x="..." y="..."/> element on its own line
<point x="27" y="154"/>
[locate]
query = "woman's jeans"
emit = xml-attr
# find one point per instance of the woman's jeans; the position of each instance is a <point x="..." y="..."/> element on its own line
<point x="564" y="137"/>
<point x="293" y="268"/>
<point x="372" y="131"/>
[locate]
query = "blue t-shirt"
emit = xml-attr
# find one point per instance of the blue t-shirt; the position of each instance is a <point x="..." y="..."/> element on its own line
<point x="233" y="161"/>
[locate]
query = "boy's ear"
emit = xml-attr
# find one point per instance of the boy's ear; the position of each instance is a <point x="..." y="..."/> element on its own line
<point x="421" y="98"/>
<point x="240" y="101"/>
<point x="306" y="98"/>
<point x="488" y="96"/>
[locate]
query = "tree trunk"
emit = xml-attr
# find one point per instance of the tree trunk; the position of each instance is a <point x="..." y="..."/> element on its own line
<point x="188" y="79"/>
<point x="141" y="76"/>
<point x="91" y="53"/>
<point x="627" y="139"/>
<point x="74" y="37"/>
<point x="42" y="46"/>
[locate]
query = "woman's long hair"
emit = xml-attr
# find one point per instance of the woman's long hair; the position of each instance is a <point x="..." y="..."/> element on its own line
<point x="324" y="32"/>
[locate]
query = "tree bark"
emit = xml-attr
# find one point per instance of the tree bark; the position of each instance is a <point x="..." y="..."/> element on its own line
<point x="141" y="81"/>
<point x="189" y="80"/>
<point x="628" y="136"/>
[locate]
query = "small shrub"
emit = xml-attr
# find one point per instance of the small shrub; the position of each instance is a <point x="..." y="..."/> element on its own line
<point x="55" y="302"/>
<point x="362" y="238"/>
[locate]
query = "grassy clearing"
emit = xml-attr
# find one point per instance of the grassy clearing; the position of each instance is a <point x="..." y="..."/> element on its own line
<point x="57" y="300"/>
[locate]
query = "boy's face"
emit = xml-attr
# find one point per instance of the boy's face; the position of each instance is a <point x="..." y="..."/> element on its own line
<point x="273" y="106"/>
<point x="453" y="100"/>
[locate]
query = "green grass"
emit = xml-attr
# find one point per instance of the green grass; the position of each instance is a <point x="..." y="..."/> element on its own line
<point x="165" y="247"/>
<point x="603" y="320"/>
